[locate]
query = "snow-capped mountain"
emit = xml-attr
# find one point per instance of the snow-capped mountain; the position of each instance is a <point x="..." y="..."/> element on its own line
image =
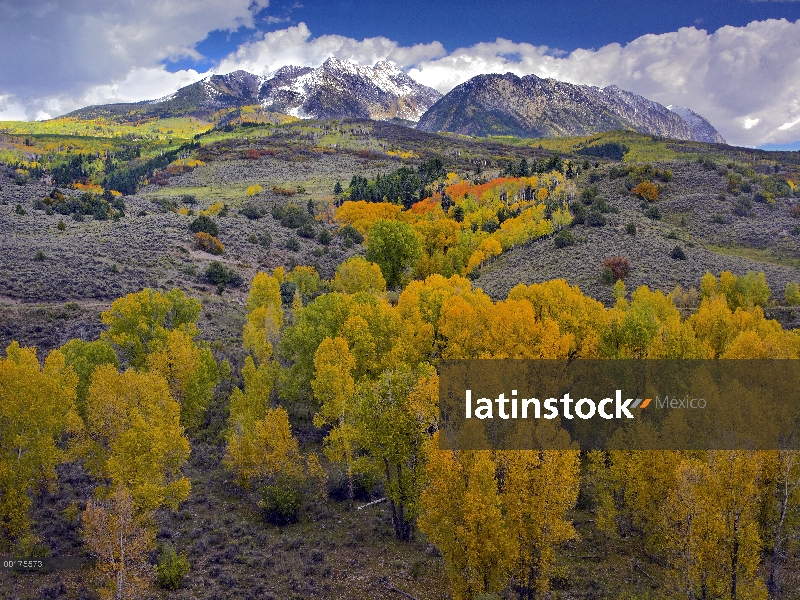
<point x="343" y="89"/>
<point x="533" y="107"/>
<point x="336" y="89"/>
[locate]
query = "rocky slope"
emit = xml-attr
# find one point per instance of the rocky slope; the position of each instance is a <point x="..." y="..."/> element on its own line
<point x="533" y="107"/>
<point x="701" y="128"/>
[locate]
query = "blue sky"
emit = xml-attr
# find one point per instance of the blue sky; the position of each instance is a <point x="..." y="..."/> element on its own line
<point x="563" y="25"/>
<point x="736" y="62"/>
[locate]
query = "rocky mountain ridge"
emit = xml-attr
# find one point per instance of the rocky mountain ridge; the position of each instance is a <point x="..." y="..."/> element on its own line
<point x="530" y="106"/>
<point x="336" y="89"/>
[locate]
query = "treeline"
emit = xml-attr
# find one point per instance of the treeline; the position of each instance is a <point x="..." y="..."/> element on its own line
<point x="126" y="179"/>
<point x="405" y="185"/>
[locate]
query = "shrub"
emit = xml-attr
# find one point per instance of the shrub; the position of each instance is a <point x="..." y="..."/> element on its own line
<point x="578" y="211"/>
<point x="743" y="207"/>
<point x="646" y="191"/>
<point x="600" y="205"/>
<point x="746" y="187"/>
<point x="172" y="568"/>
<point x="251" y="211"/>
<point x="652" y="212"/>
<point x="293" y="244"/>
<point x="595" y="219"/>
<point x="219" y="274"/>
<point x="265" y="239"/>
<point x="791" y="294"/>
<point x="564" y="238"/>
<point x="252" y="238"/>
<point x="281" y="504"/>
<point x="678" y="253"/>
<point x="718" y="218"/>
<point x="208" y="243"/>
<point x="188" y="199"/>
<point x="794" y="212"/>
<point x="631" y="228"/>
<point x="666" y="176"/>
<point x="61" y="226"/>
<point x="589" y="194"/>
<point x="324" y="237"/>
<point x="281" y="191"/>
<point x="19" y="210"/>
<point x="291" y="216"/>
<point x="204" y="224"/>
<point x="707" y="163"/>
<point x="619" y="267"/>
<point x="351" y="234"/>
<point x="307" y="231"/>
<point x="39" y="256"/>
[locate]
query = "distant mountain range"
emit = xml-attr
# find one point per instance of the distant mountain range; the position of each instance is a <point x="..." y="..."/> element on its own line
<point x="485" y="105"/>
<point x="533" y="107"/>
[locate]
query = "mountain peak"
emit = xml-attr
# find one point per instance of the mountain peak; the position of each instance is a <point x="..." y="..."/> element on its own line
<point x="506" y="104"/>
<point x="702" y="130"/>
<point x="341" y="88"/>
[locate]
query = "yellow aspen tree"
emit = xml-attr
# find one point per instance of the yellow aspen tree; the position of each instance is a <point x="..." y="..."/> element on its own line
<point x="358" y="275"/>
<point x="37" y="405"/>
<point x="784" y="527"/>
<point x="710" y="527"/>
<point x="138" y="323"/>
<point x="334" y="389"/>
<point x="461" y="513"/>
<point x="247" y="408"/>
<point x="191" y="373"/>
<point x="84" y="358"/>
<point x="395" y="416"/>
<point x="135" y="436"/>
<point x="539" y="487"/>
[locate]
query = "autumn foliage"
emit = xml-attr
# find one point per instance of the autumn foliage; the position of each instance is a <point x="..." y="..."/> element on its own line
<point x="618" y="266"/>
<point x="363" y="364"/>
<point x="646" y="190"/>
<point x="208" y="243"/>
<point x="469" y="223"/>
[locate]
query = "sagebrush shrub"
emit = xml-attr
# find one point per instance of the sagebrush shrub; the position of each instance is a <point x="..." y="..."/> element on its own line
<point x="564" y="238"/>
<point x="677" y="253"/>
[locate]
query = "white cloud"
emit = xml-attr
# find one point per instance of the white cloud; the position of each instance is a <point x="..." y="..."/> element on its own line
<point x="295" y="46"/>
<point x="61" y="48"/>
<point x="745" y="80"/>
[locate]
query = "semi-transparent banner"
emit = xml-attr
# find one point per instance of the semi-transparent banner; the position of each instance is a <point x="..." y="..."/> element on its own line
<point x="620" y="404"/>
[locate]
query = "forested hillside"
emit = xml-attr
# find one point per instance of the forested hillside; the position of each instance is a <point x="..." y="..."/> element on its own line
<point x="219" y="376"/>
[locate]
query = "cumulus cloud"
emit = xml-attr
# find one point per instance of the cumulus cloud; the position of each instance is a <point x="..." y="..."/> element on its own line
<point x="295" y="46"/>
<point x="61" y="48"/>
<point x="745" y="80"/>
